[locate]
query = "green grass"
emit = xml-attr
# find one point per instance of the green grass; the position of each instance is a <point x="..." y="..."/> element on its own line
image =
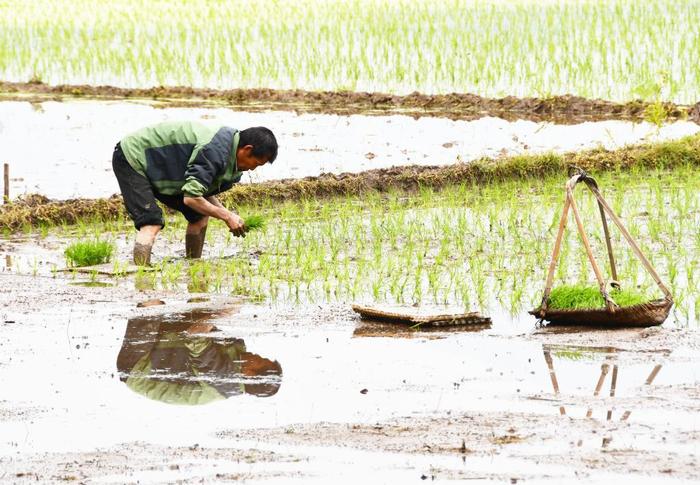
<point x="579" y="297"/>
<point x="573" y="355"/>
<point x="88" y="253"/>
<point x="612" y="49"/>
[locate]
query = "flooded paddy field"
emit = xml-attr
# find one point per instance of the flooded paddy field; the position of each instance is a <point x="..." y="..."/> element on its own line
<point x="391" y="189"/>
<point x="250" y="364"/>
<point x="482" y="246"/>
<point x="73" y="157"/>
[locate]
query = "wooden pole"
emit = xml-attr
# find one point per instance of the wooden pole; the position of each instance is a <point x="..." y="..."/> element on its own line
<point x="6" y="187"/>
<point x="589" y="252"/>
<point x="613" y="387"/>
<point x="633" y="245"/>
<point x="650" y="379"/>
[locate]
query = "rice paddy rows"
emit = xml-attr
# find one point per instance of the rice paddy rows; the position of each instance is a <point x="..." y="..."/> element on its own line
<point x="612" y="49"/>
<point x="484" y="247"/>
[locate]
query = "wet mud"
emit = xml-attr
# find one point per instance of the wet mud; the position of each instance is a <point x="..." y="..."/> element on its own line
<point x="591" y="447"/>
<point x="222" y="389"/>
<point x="557" y="109"/>
<point x="146" y="463"/>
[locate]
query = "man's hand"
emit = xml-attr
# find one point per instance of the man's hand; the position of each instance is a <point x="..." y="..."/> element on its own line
<point x="235" y="224"/>
<point x="210" y="206"/>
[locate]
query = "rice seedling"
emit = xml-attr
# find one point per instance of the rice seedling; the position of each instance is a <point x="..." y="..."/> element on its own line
<point x="88" y="253"/>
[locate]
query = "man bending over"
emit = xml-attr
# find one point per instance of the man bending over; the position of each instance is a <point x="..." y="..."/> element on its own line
<point x="184" y="165"/>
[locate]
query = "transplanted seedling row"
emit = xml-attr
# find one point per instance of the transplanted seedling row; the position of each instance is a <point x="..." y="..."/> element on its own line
<point x="474" y="246"/>
<point x="482" y="247"/>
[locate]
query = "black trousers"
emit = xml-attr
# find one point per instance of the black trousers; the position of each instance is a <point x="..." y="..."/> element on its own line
<point x="140" y="198"/>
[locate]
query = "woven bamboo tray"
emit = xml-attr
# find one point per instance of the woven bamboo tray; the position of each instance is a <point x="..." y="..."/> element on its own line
<point x="410" y="316"/>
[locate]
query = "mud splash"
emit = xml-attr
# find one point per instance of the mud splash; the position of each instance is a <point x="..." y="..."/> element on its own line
<point x="558" y="109"/>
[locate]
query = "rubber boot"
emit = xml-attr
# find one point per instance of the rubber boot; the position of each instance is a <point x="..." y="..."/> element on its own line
<point x="194" y="243"/>
<point x="142" y="254"/>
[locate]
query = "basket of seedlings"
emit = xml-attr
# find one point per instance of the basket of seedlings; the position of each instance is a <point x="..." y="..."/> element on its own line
<point x="608" y="304"/>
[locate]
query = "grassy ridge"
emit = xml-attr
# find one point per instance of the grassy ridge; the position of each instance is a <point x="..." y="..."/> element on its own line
<point x="667" y="155"/>
<point x="612" y="49"/>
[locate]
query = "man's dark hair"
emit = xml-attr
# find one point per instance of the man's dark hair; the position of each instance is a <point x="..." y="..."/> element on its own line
<point x="263" y="141"/>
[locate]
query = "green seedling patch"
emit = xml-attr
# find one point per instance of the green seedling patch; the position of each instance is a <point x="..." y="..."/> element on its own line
<point x="579" y="297"/>
<point x="89" y="253"/>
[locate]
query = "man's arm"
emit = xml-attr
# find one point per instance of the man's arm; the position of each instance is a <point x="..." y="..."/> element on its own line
<point x="214" y="201"/>
<point x="210" y="206"/>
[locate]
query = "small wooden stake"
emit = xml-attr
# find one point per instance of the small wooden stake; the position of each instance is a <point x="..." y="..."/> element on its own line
<point x="6" y="187"/>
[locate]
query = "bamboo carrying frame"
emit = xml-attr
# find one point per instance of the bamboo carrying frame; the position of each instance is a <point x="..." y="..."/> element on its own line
<point x="642" y="315"/>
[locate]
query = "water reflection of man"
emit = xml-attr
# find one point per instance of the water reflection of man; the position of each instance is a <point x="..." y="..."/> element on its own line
<point x="170" y="360"/>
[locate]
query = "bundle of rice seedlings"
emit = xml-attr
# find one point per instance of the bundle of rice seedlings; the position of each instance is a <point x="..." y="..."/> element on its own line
<point x="88" y="253"/>
<point x="254" y="222"/>
<point x="579" y="297"/>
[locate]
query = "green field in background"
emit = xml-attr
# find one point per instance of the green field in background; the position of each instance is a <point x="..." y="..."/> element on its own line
<point x="613" y="49"/>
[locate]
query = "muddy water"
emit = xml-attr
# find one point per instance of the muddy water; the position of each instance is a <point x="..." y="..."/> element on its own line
<point x="67" y="151"/>
<point x="95" y="374"/>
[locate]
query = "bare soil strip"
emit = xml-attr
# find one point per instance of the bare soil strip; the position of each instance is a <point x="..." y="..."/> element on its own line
<point x="566" y="109"/>
<point x="34" y="210"/>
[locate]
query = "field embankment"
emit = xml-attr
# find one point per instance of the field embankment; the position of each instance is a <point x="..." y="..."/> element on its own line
<point x="565" y="109"/>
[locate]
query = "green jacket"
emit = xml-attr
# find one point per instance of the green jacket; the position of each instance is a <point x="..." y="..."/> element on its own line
<point x="184" y="157"/>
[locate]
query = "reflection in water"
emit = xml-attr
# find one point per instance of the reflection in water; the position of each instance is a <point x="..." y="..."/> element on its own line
<point x="368" y="328"/>
<point x="576" y="353"/>
<point x="170" y="359"/>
